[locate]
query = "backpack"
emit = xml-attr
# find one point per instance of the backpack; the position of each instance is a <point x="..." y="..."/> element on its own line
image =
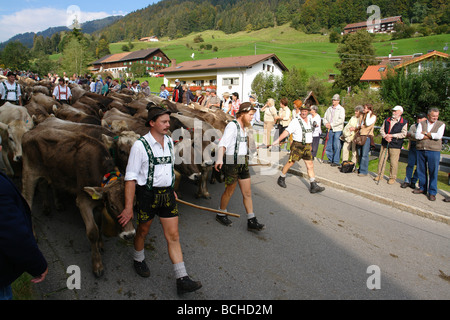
<point x="347" y="167"/>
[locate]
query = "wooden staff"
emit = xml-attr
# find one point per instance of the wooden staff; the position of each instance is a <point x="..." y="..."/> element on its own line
<point x="207" y="209"/>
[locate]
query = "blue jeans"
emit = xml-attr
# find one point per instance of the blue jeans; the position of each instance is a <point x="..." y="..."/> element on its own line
<point x="363" y="156"/>
<point x="412" y="161"/>
<point x="334" y="145"/>
<point x="6" y="293"/>
<point x="427" y="169"/>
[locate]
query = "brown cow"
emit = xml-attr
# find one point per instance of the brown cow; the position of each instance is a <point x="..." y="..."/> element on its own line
<point x="67" y="112"/>
<point x="69" y="161"/>
<point x="14" y="122"/>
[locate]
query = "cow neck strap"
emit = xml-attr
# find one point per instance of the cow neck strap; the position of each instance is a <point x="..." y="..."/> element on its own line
<point x="154" y="161"/>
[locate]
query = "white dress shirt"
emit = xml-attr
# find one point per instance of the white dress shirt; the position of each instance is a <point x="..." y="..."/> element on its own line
<point x="228" y="140"/>
<point x="435" y="136"/>
<point x="138" y="162"/>
<point x="295" y="129"/>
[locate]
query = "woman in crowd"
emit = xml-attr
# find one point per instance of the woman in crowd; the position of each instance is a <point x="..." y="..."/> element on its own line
<point x="284" y="118"/>
<point x="367" y="126"/>
<point x="270" y="116"/>
<point x="296" y="110"/>
<point x="198" y="97"/>
<point x="235" y="103"/>
<point x="348" y="134"/>
<point x="316" y="125"/>
<point x="226" y="103"/>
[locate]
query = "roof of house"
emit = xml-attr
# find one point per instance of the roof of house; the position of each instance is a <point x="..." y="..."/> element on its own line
<point x="128" y="56"/>
<point x="223" y="63"/>
<point x="364" y="23"/>
<point x="433" y="53"/>
<point x="374" y="73"/>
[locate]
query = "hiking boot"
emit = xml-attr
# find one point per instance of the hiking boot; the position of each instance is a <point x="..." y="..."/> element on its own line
<point x="253" y="224"/>
<point x="377" y="178"/>
<point x="141" y="269"/>
<point x="391" y="181"/>
<point x="315" y="188"/>
<point x="185" y="284"/>
<point x="281" y="181"/>
<point x="404" y="185"/>
<point x="224" y="220"/>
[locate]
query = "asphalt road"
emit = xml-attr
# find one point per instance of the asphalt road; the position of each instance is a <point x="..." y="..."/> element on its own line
<point x="321" y="246"/>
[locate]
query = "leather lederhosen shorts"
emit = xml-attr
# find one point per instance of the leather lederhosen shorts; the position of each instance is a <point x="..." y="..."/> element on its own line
<point x="300" y="151"/>
<point x="233" y="172"/>
<point x="158" y="201"/>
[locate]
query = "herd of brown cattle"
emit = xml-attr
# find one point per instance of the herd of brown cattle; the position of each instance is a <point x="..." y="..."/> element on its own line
<point x="69" y="148"/>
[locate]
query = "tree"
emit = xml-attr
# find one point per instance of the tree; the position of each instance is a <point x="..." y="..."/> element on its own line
<point x="265" y="86"/>
<point x="356" y="53"/>
<point x="16" y="56"/>
<point x="76" y="57"/>
<point x="293" y="84"/>
<point x="418" y="91"/>
<point x="102" y="48"/>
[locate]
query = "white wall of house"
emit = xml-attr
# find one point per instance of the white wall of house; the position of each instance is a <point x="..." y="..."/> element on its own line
<point x="229" y="80"/>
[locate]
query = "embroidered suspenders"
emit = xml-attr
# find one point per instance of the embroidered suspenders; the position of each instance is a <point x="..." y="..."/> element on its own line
<point x="239" y="139"/>
<point x="7" y="91"/>
<point x="153" y="161"/>
<point x="304" y="131"/>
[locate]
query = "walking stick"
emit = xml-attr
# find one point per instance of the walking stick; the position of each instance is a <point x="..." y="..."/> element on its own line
<point x="325" y="145"/>
<point x="384" y="163"/>
<point x="207" y="209"/>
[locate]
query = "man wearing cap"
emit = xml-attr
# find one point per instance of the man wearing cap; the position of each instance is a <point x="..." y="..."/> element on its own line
<point x="334" y="121"/>
<point x="410" y="178"/>
<point x="10" y="90"/>
<point x="301" y="131"/>
<point x="393" y="131"/>
<point x="232" y="159"/>
<point x="62" y="92"/>
<point x="429" y="135"/>
<point x="150" y="175"/>
<point x="177" y="95"/>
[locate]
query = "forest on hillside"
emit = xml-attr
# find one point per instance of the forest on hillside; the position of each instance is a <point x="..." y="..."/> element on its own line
<point x="178" y="18"/>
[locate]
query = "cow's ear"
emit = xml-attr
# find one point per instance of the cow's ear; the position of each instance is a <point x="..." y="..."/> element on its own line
<point x="96" y="193"/>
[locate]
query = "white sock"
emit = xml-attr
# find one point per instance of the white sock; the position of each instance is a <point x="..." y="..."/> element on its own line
<point x="250" y="215"/>
<point x="180" y="270"/>
<point x="138" y="255"/>
<point x="221" y="214"/>
<point x="283" y="175"/>
<point x="312" y="179"/>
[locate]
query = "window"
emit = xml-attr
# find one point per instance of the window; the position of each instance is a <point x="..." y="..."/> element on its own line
<point x="199" y="82"/>
<point x="230" y="81"/>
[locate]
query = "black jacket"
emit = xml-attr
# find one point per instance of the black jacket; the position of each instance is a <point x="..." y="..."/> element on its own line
<point x="397" y="128"/>
<point x="19" y="252"/>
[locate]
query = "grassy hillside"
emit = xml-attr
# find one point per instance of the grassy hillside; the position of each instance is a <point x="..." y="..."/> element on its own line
<point x="311" y="52"/>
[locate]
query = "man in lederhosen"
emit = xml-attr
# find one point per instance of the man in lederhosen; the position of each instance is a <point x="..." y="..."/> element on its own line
<point x="10" y="90"/>
<point x="62" y="92"/>
<point x="234" y="145"/>
<point x="150" y="175"/>
<point x="301" y="130"/>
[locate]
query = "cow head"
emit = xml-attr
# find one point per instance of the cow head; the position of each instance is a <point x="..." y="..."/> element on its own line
<point x="120" y="147"/>
<point x="113" y="195"/>
<point x="14" y="132"/>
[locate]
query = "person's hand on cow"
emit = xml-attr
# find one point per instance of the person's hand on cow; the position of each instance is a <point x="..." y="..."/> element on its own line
<point x="125" y="216"/>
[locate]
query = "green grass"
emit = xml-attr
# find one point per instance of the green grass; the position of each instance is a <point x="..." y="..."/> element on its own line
<point x="22" y="288"/>
<point x="312" y="52"/>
